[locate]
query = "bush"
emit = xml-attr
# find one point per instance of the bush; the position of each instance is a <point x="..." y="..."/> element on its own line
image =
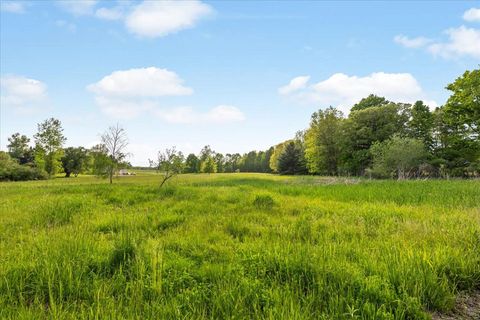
<point x="263" y="202"/>
<point x="12" y="171"/>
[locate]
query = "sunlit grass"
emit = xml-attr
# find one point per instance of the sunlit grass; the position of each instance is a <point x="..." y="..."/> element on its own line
<point x="236" y="246"/>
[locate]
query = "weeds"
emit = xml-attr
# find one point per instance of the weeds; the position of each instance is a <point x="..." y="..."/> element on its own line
<point x="238" y="246"/>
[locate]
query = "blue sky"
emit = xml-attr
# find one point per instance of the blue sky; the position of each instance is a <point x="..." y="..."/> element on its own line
<point x="238" y="76"/>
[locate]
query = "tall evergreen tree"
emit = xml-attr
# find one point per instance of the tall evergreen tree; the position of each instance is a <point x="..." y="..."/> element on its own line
<point x="290" y="160"/>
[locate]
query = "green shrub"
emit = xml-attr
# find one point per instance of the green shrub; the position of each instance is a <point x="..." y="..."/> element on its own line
<point x="263" y="202"/>
<point x="12" y="171"/>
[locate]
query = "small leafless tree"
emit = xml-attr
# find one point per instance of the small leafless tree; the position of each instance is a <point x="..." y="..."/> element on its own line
<point x="115" y="142"/>
<point x="169" y="162"/>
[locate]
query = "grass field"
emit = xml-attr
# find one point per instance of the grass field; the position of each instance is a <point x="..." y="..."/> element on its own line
<point x="238" y="246"/>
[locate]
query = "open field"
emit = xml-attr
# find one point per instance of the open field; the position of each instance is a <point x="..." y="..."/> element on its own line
<point x="237" y="246"/>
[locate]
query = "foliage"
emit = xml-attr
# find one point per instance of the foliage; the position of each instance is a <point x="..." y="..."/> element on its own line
<point x="49" y="141"/>
<point x="322" y="142"/>
<point x="365" y="127"/>
<point x="101" y="162"/>
<point x="277" y="151"/>
<point x="463" y="106"/>
<point x="291" y="160"/>
<point x="10" y="170"/>
<point x="170" y="163"/>
<point x="74" y="161"/>
<point x="370" y="101"/>
<point x="421" y="124"/>
<point x="192" y="164"/>
<point x="458" y="125"/>
<point x="19" y="149"/>
<point x="209" y="165"/>
<point x="400" y="157"/>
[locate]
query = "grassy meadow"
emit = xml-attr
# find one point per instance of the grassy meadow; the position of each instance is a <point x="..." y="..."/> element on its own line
<point x="236" y="246"/>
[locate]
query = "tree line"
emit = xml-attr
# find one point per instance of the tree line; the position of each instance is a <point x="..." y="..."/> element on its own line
<point x="48" y="156"/>
<point x="378" y="138"/>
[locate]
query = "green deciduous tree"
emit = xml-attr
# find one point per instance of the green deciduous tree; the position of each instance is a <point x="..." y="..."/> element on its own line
<point x="277" y="151"/>
<point x="100" y="161"/>
<point x="364" y="127"/>
<point x="398" y="156"/>
<point x="74" y="161"/>
<point x="169" y="163"/>
<point x="463" y="106"/>
<point x="458" y="125"/>
<point x="49" y="141"/>
<point x="323" y="142"/>
<point x="19" y="149"/>
<point x="420" y="125"/>
<point x="192" y="164"/>
<point x="370" y="101"/>
<point x="209" y="165"/>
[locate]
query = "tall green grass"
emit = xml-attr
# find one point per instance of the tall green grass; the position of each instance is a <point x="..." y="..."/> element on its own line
<point x="237" y="246"/>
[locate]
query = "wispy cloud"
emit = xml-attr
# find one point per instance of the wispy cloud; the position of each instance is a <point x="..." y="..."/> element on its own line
<point x="13" y="6"/>
<point x="460" y="42"/>
<point x="78" y="7"/>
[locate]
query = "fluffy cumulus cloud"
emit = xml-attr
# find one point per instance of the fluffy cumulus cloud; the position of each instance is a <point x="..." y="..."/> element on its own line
<point x="150" y="19"/>
<point x="295" y="84"/>
<point x="462" y="41"/>
<point x="141" y="82"/>
<point x="22" y="93"/>
<point x="343" y="91"/>
<point x="13" y="6"/>
<point x="160" y="18"/>
<point x="129" y="93"/>
<point x="78" y="7"/>
<point x="472" y="15"/>
<point x="459" y="42"/>
<point x="187" y="115"/>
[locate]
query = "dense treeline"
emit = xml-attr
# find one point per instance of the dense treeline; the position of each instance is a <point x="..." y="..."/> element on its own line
<point x="381" y="138"/>
<point x="378" y="138"/>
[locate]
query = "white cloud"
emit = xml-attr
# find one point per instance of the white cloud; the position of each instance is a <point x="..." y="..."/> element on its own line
<point x="187" y="115"/>
<point x="22" y="93"/>
<point x="78" y="7"/>
<point x="472" y="15"/>
<point x="141" y="82"/>
<point x="462" y="41"/>
<point x="115" y="13"/>
<point x="129" y="93"/>
<point x="12" y="6"/>
<point x="160" y="18"/>
<point x="411" y="42"/>
<point x="294" y="85"/>
<point x="343" y="91"/>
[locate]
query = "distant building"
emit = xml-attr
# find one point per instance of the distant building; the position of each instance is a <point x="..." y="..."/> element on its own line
<point x="123" y="172"/>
